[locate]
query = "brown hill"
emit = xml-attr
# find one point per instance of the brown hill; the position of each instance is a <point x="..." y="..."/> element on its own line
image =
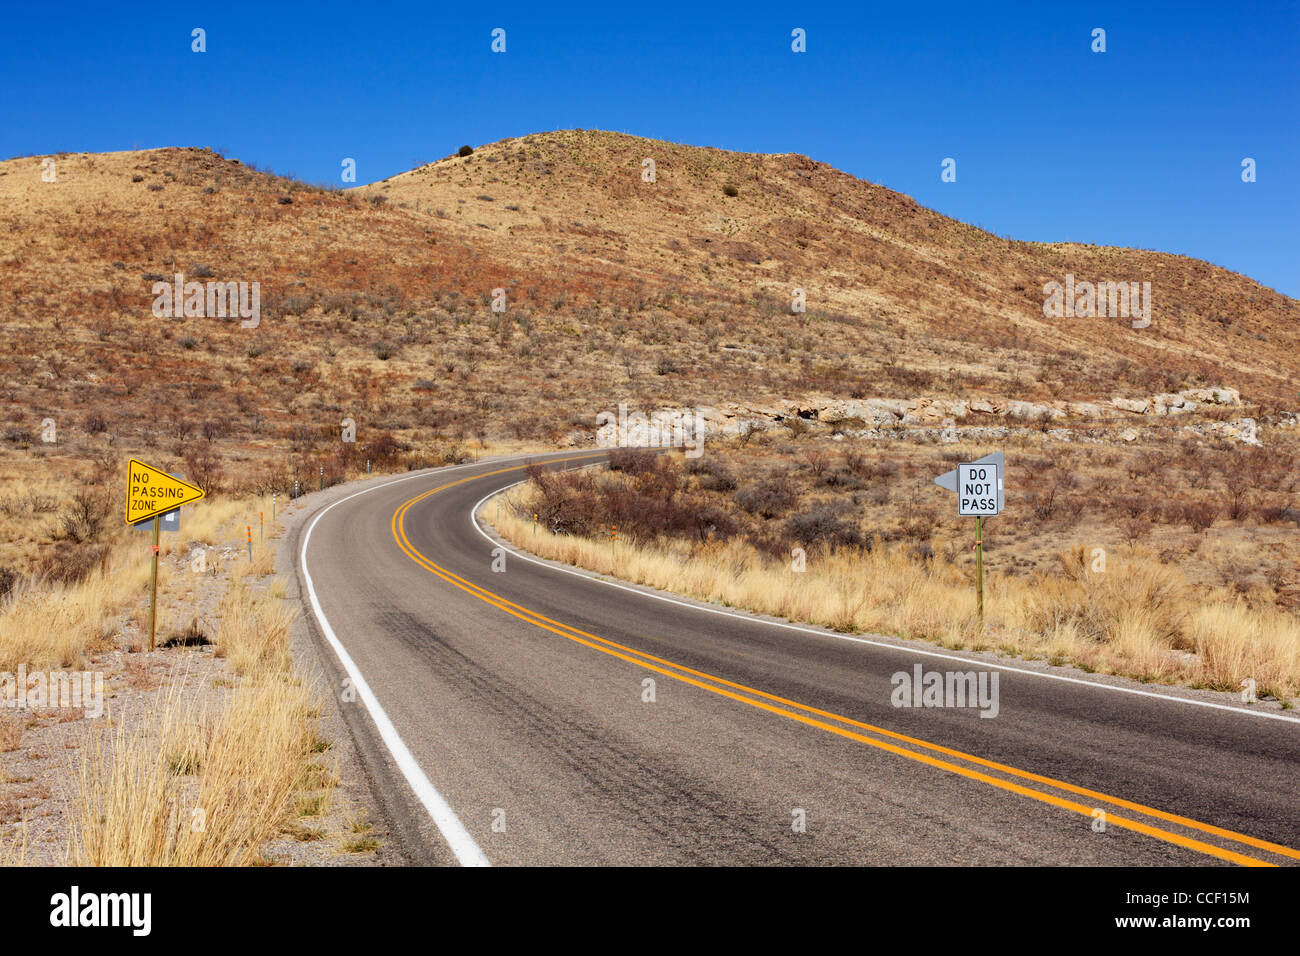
<point x="375" y="302"/>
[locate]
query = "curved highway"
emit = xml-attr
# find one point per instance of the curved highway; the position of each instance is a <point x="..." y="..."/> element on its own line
<point x="539" y="716"/>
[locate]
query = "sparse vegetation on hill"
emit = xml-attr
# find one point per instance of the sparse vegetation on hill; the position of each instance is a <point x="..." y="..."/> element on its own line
<point x="614" y="289"/>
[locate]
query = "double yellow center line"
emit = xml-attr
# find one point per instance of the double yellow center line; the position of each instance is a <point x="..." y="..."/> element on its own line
<point x="847" y="726"/>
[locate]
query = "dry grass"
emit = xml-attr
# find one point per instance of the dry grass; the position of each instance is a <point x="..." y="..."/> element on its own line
<point x="254" y="632"/>
<point x="1128" y="620"/>
<point x="193" y="785"/>
<point x="195" y="789"/>
<point x="60" y="625"/>
<point x="207" y="788"/>
<point x="48" y="624"/>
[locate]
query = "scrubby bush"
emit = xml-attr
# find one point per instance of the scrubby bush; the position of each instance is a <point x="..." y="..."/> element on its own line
<point x="713" y="475"/>
<point x="824" y="525"/>
<point x="767" y="499"/>
<point x="633" y="461"/>
<point x="1200" y="515"/>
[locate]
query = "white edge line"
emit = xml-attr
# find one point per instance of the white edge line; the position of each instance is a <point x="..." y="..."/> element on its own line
<point x="468" y="853"/>
<point x="590" y="576"/>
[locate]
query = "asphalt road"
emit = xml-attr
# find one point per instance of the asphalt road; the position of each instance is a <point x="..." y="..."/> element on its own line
<point x="503" y="716"/>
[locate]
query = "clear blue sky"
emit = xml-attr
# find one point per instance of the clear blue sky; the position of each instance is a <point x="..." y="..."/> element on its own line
<point x="1138" y="146"/>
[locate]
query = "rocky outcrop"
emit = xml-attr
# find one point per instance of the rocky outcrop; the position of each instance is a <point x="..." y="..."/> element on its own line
<point x="1171" y="404"/>
<point x="1212" y="396"/>
<point x="923" y="419"/>
<point x="1242" y="430"/>
<point x="1139" y="406"/>
<point x="1178" y="403"/>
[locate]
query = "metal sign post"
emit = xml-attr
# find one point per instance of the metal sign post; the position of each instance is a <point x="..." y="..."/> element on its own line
<point x="977" y="494"/>
<point x="979" y="488"/>
<point x="148" y="491"/>
<point x="153" y="586"/>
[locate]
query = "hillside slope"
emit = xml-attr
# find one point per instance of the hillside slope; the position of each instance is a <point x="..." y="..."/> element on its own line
<point x="375" y="302"/>
<point x="914" y="286"/>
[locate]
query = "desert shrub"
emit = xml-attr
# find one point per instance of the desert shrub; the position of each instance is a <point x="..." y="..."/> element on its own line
<point x="841" y="478"/>
<point x="816" y="460"/>
<point x="1279" y="514"/>
<point x="644" y="505"/>
<point x="383" y="450"/>
<point x="881" y="468"/>
<point x="713" y="474"/>
<point x="1134" y="529"/>
<point x="856" y="463"/>
<point x="824" y="526"/>
<point x="1199" y="515"/>
<point x="767" y="499"/>
<point x="68" y="563"/>
<point x="1132" y="506"/>
<point x="203" y="466"/>
<point x="465" y="151"/>
<point x="85" y="517"/>
<point x="773" y="543"/>
<point x="633" y="461"/>
<point x="730" y="190"/>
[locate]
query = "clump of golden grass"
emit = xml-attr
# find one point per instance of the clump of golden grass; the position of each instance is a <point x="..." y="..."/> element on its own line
<point x="1129" y="619"/>
<point x="58" y="625"/>
<point x="205" y="520"/>
<point x="194" y="789"/>
<point x="253" y="632"/>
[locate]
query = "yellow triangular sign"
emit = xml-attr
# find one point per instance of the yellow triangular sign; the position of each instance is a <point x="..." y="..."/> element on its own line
<point x="150" y="492"/>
